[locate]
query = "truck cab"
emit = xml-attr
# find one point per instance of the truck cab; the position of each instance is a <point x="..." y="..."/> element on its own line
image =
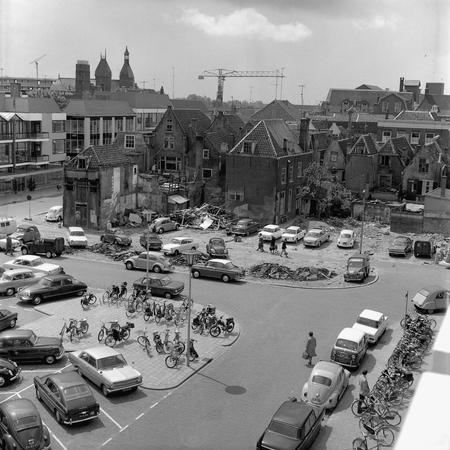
<point x="45" y="246"/>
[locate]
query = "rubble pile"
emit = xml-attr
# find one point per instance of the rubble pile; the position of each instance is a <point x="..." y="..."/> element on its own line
<point x="279" y="272"/>
<point x="180" y="260"/>
<point x="116" y="252"/>
<point x="203" y="217"/>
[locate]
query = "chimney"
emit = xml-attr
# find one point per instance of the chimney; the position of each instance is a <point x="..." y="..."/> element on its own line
<point x="443" y="180"/>
<point x="193" y="125"/>
<point x="304" y="134"/>
<point x="285" y="145"/>
<point x="402" y="84"/>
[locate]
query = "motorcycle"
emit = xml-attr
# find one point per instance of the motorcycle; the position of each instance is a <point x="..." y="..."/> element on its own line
<point x="88" y="300"/>
<point x="158" y="343"/>
<point x="121" y="333"/>
<point x="222" y="326"/>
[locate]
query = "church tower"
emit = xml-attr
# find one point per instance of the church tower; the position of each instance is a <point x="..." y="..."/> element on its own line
<point x="103" y="75"/>
<point x="126" y="78"/>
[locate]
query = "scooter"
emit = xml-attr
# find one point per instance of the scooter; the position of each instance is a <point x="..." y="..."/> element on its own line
<point x="118" y="334"/>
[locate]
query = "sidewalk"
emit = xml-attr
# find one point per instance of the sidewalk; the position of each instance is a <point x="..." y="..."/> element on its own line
<point x="21" y="196"/>
<point x="154" y="371"/>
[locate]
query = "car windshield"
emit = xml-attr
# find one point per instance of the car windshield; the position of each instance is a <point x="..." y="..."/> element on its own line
<point x="176" y="241"/>
<point x="355" y="263"/>
<point x="242" y="224"/>
<point x="21" y="229"/>
<point x="45" y="282"/>
<point x="76" y="391"/>
<point x="230" y="265"/>
<point x="320" y="379"/>
<point x="400" y="241"/>
<point x="346" y="235"/>
<point x="367" y="322"/>
<point x="164" y="281"/>
<point x="216" y="242"/>
<point x="33" y="338"/>
<point x="270" y="229"/>
<point x="110" y="362"/>
<point x="77" y="233"/>
<point x="284" y="428"/>
<point x="37" y="262"/>
<point x="345" y="343"/>
<point x="290" y="231"/>
<point x="23" y="423"/>
<point x="424" y="292"/>
<point x="313" y="234"/>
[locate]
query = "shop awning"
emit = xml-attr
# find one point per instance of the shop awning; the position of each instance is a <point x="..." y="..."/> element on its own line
<point x="178" y="199"/>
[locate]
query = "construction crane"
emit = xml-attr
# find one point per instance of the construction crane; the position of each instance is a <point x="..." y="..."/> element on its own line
<point x="36" y="61"/>
<point x="221" y="74"/>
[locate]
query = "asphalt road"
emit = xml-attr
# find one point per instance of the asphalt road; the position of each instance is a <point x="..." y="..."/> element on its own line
<point x="229" y="403"/>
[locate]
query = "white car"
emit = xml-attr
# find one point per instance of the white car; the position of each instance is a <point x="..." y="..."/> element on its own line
<point x="54" y="214"/>
<point x="373" y="323"/>
<point x="316" y="237"/>
<point x="34" y="263"/>
<point x="179" y="245"/>
<point x="346" y="239"/>
<point x="293" y="234"/>
<point x="270" y="231"/>
<point x="76" y="237"/>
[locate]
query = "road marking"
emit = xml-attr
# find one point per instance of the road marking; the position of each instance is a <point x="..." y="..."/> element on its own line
<point x="55" y="437"/>
<point x="139" y="416"/>
<point x="107" y="440"/>
<point x="111" y="419"/>
<point x="124" y="428"/>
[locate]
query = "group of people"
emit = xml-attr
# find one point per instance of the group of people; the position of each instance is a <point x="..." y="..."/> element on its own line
<point x="273" y="247"/>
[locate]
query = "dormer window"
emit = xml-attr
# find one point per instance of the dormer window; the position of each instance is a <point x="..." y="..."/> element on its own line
<point x="82" y="163"/>
<point x="435" y="109"/>
<point x="169" y="125"/>
<point x="248" y="147"/>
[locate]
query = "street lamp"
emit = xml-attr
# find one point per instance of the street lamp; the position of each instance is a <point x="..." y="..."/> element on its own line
<point x="190" y="258"/>
<point x="362" y="221"/>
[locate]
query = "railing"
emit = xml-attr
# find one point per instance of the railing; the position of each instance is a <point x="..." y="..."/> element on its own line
<point x="22" y="136"/>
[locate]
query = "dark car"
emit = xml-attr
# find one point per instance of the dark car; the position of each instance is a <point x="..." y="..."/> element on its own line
<point x="153" y="241"/>
<point x="24" y="346"/>
<point x="358" y="267"/>
<point x="244" y="227"/>
<point x="217" y="268"/>
<point x="216" y="248"/>
<point x="115" y="237"/>
<point x="68" y="396"/>
<point x="21" y="426"/>
<point x="402" y="245"/>
<point x="295" y="425"/>
<point x="48" y="247"/>
<point x="51" y="287"/>
<point x="161" y="285"/>
<point x="9" y="371"/>
<point x="26" y="233"/>
<point x="8" y="319"/>
<point x="424" y="248"/>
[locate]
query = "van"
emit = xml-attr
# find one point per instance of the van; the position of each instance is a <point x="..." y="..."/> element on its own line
<point x="350" y="348"/>
<point x="424" y="248"/>
<point x="358" y="267"/>
<point x="7" y="226"/>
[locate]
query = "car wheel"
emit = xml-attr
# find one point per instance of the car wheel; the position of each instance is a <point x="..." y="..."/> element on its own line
<point x="105" y="390"/>
<point x="225" y="278"/>
<point x="10" y="292"/>
<point x="58" y="417"/>
<point x="161" y="231"/>
<point x="102" y="238"/>
<point x="37" y="300"/>
<point x="48" y="254"/>
<point x="196" y="274"/>
<point x="157" y="269"/>
<point x="24" y="251"/>
<point x="129" y="265"/>
<point x="50" y="359"/>
<point x="12" y="323"/>
<point x="59" y="219"/>
<point x="2" y="381"/>
<point x="193" y="248"/>
<point x="177" y="226"/>
<point x="168" y="295"/>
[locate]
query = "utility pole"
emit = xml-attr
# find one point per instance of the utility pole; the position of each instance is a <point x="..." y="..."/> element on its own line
<point x="281" y="84"/>
<point x="276" y="84"/>
<point x="301" y="86"/>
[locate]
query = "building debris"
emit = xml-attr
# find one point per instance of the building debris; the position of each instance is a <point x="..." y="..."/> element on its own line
<point x="203" y="217"/>
<point x="279" y="272"/>
<point x="116" y="252"/>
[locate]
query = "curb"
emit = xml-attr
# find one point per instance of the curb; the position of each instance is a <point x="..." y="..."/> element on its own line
<point x="235" y="339"/>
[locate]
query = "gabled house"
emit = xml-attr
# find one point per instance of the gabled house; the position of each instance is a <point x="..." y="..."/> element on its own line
<point x="436" y="103"/>
<point x="335" y="157"/>
<point x="264" y="176"/>
<point x="99" y="183"/>
<point x="393" y="156"/>
<point x="283" y="109"/>
<point x="361" y="165"/>
<point x="423" y="173"/>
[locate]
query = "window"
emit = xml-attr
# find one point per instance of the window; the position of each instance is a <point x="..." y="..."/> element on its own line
<point x="364" y="107"/>
<point x="415" y="137"/>
<point x="172" y="163"/>
<point x="384" y="160"/>
<point x="289" y="200"/>
<point x="291" y="172"/>
<point x="207" y="173"/>
<point x="129" y="141"/>
<point x="333" y="156"/>
<point x="248" y="147"/>
<point x="423" y="165"/>
<point x="129" y="124"/>
<point x="384" y="106"/>
<point x="58" y="146"/>
<point x="397" y="107"/>
<point x="169" y="125"/>
<point x="386" y="136"/>
<point x="429" y="137"/>
<point x="169" y="143"/>
<point x="119" y="124"/>
<point x="299" y="169"/>
<point x="283" y="175"/>
<point x="427" y="186"/>
<point x="205" y="153"/>
<point x="69" y="184"/>
<point x="58" y="126"/>
<point x="95" y="126"/>
<point x="235" y="195"/>
<point x="434" y="109"/>
<point x="81" y="163"/>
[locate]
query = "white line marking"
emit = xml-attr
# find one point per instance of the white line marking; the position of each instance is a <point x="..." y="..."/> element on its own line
<point x="10" y="397"/>
<point x="111" y="419"/>
<point x="107" y="440"/>
<point x="55" y="437"/>
<point x="154" y="404"/>
<point x="139" y="416"/>
<point x="124" y="428"/>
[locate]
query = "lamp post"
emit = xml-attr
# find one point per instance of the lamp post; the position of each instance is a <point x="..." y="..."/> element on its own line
<point x="190" y="258"/>
<point x="147" y="237"/>
<point x="362" y="221"/>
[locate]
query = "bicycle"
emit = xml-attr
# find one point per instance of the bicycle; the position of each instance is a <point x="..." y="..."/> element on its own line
<point x="383" y="436"/>
<point x="74" y="324"/>
<point x="144" y="342"/>
<point x="104" y="330"/>
<point x="111" y="294"/>
<point x="174" y="358"/>
<point x="168" y="344"/>
<point x="88" y="300"/>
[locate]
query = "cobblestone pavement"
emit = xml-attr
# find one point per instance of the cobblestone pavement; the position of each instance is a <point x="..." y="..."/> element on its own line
<point x="155" y="373"/>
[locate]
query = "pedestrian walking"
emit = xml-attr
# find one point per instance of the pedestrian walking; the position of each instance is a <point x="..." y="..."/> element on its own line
<point x="273" y="246"/>
<point x="284" y="249"/>
<point x="311" y="347"/>
<point x="364" y="390"/>
<point x="260" y="244"/>
<point x="9" y="247"/>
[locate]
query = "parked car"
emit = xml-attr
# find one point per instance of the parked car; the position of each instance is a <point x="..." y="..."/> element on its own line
<point x="216" y="248"/>
<point x="350" y="347"/>
<point x="293" y="234"/>
<point x="271" y="231"/>
<point x="115" y="237"/>
<point x="76" y="237"/>
<point x="34" y="263"/>
<point x="48" y="246"/>
<point x="67" y="396"/>
<point x="8" y="319"/>
<point x="51" y="287"/>
<point x="294" y="425"/>
<point x="245" y="227"/>
<point x="9" y="371"/>
<point x="106" y="368"/>
<point x="316" y="237"/>
<point x="358" y="267"/>
<point x="25" y="347"/>
<point x="402" y="245"/>
<point x="26" y="233"/>
<point x="326" y="385"/>
<point x="346" y="239"/>
<point x="163" y="224"/>
<point x="156" y="262"/>
<point x="153" y="241"/>
<point x="12" y="280"/>
<point x="217" y="268"/>
<point x="160" y="285"/>
<point x="180" y="244"/>
<point x="431" y="299"/>
<point x="425" y="248"/>
<point x="21" y="426"/>
<point x="373" y="323"/>
<point x="54" y="214"/>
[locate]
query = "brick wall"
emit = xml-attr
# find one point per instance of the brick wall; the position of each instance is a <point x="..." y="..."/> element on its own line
<point x="406" y="222"/>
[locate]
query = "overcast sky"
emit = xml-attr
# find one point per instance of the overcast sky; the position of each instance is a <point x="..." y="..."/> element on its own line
<point x="319" y="43"/>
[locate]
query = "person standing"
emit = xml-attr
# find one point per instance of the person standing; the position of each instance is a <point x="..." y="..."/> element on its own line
<point x="260" y="244"/>
<point x="272" y="245"/>
<point x="9" y="248"/>
<point x="284" y="249"/>
<point x="364" y="390"/>
<point x="311" y="347"/>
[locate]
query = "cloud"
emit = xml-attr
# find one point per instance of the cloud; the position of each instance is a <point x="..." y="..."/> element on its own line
<point x="377" y="22"/>
<point x="245" y="23"/>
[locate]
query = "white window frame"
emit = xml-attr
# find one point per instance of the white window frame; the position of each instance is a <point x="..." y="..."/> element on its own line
<point x="429" y="137"/>
<point x="169" y="125"/>
<point x="130" y="141"/>
<point x="299" y="169"/>
<point x="415" y="137"/>
<point x="283" y="175"/>
<point x="333" y="156"/>
<point x="386" y="135"/>
<point x="427" y="186"/>
<point x="206" y="153"/>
